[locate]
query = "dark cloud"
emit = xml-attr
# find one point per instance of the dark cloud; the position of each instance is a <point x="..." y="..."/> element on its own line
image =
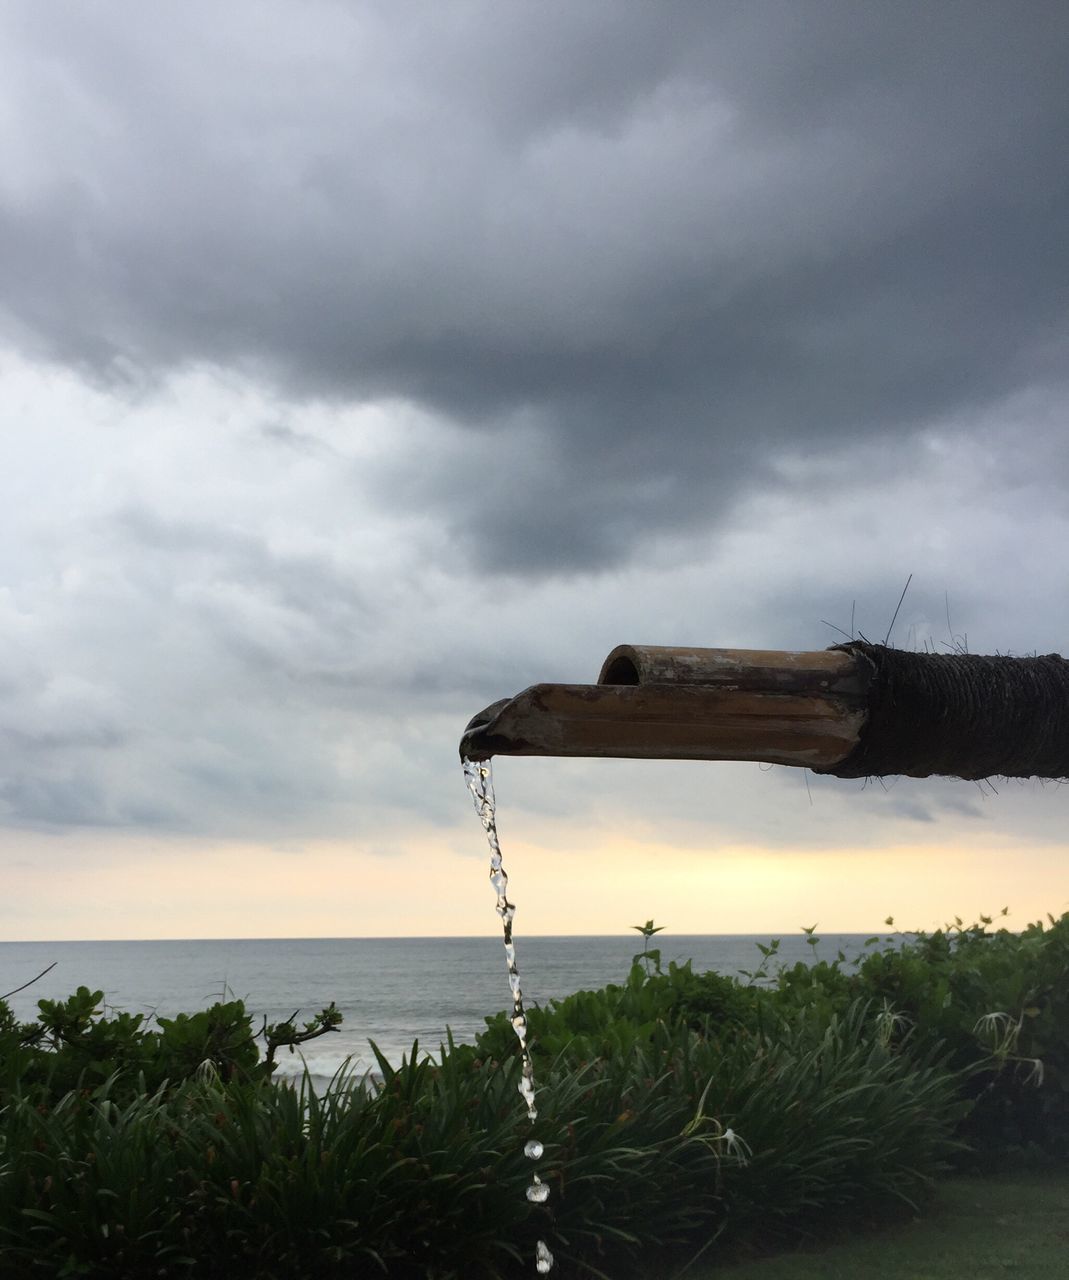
<point x="206" y="631"/>
<point x="424" y="353"/>
<point x="677" y="241"/>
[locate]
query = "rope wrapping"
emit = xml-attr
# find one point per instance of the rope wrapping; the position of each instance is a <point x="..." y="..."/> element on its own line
<point x="960" y="715"/>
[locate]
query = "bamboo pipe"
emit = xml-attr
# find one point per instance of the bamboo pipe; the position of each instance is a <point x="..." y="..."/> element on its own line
<point x="855" y="710"/>
<point x="655" y="703"/>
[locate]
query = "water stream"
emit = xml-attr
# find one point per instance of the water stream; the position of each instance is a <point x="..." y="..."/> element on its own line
<point x="480" y="780"/>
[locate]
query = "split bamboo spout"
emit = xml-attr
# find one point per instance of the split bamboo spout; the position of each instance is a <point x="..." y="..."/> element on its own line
<point x="686" y="704"/>
<point x="854" y="710"/>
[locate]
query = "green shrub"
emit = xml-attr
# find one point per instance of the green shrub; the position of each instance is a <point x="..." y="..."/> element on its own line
<point x="680" y="1112"/>
<point x="996" y="1001"/>
<point x="75" y="1044"/>
<point x="677" y="1140"/>
<point x="596" y="1024"/>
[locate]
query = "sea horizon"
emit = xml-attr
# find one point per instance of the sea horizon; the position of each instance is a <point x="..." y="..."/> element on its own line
<point x="395" y="991"/>
<point x="437" y="937"/>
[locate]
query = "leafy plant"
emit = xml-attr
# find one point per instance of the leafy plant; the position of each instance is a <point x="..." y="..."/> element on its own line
<point x="595" y="1024"/>
<point x="677" y="1140"/>
<point x="648" y="955"/>
<point x="680" y="1113"/>
<point x="75" y="1043"/>
<point x="996" y="1000"/>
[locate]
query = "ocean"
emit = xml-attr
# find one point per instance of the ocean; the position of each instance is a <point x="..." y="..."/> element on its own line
<point x="394" y="991"/>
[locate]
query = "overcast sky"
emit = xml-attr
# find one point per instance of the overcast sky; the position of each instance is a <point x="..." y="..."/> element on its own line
<point x="361" y="364"/>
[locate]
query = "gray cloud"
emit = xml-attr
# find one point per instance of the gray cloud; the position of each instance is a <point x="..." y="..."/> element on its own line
<point x="417" y="356"/>
<point x="205" y="631"/>
<point x="638" y="253"/>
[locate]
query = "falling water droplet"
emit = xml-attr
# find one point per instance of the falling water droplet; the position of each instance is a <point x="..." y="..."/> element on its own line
<point x="481" y="785"/>
<point x="538" y="1192"/>
<point x="527" y="1092"/>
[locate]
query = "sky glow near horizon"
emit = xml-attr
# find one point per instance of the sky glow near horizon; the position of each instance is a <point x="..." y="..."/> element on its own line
<point x="360" y="367"/>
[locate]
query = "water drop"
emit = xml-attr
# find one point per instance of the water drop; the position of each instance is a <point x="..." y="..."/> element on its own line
<point x="538" y="1192"/>
<point x="481" y="785"/>
<point x="526" y="1091"/>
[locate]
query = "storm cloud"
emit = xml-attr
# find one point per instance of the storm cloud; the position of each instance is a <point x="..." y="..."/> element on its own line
<point x="635" y="253"/>
<point x="364" y="363"/>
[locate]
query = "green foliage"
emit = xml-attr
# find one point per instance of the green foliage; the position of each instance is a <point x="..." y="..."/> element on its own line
<point x="998" y="1003"/>
<point x="681" y="1114"/>
<point x="648" y="955"/>
<point x="598" y="1024"/>
<point x="682" y="1138"/>
<point x="77" y="1044"/>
